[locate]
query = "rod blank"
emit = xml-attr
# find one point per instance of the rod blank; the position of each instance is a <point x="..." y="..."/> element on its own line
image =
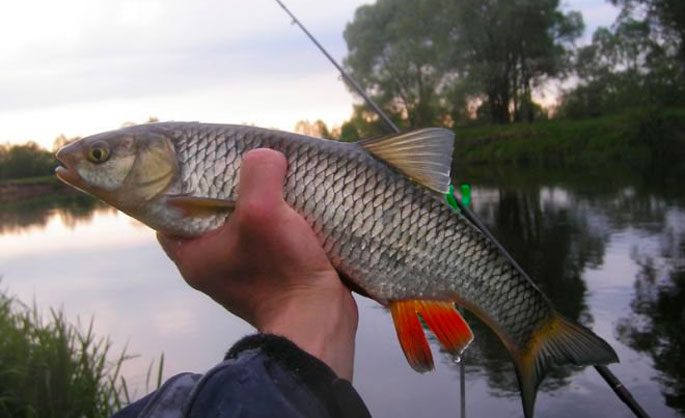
<point x="621" y="391"/>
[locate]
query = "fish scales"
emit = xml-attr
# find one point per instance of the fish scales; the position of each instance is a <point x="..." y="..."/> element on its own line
<point x="394" y="238"/>
<point x="412" y="241"/>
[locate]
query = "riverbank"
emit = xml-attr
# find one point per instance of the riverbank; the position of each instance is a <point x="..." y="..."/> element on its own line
<point x="29" y="188"/>
<point x="53" y="368"/>
<point x="640" y="139"/>
<point x="646" y="140"/>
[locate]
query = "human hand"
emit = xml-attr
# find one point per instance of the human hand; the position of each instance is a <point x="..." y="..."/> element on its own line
<point x="266" y="265"/>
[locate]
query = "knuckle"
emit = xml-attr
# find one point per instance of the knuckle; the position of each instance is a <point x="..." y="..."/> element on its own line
<point x="254" y="213"/>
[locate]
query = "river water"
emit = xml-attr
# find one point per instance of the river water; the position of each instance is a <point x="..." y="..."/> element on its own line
<point x="607" y="248"/>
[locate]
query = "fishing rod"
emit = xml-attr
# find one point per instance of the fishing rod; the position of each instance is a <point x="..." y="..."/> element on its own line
<point x="342" y="71"/>
<point x="389" y="123"/>
<point x="609" y="377"/>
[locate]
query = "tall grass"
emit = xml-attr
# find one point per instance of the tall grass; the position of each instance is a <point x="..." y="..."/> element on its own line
<point x="53" y="369"/>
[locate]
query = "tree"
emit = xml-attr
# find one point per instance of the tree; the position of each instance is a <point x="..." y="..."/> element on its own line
<point x="150" y="119"/>
<point x="364" y="123"/>
<point x="393" y="53"/>
<point x="63" y="140"/>
<point x="27" y="160"/>
<point x="508" y="48"/>
<point x="666" y="16"/>
<point x="429" y="61"/>
<point x="317" y="129"/>
<point x="627" y="65"/>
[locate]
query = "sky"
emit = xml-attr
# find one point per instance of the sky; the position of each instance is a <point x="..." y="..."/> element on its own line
<point x="78" y="67"/>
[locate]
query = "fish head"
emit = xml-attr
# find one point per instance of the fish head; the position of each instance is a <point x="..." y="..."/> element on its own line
<point x="125" y="168"/>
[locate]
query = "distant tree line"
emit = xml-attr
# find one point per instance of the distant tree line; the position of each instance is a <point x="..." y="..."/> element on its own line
<point x="638" y="62"/>
<point x="26" y="160"/>
<point x="31" y="160"/>
<point x="451" y="62"/>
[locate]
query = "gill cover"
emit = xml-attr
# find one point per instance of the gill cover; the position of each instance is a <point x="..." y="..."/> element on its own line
<point x="154" y="168"/>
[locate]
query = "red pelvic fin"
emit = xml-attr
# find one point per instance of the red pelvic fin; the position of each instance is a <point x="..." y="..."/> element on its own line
<point x="447" y="324"/>
<point x="411" y="336"/>
<point x="443" y="319"/>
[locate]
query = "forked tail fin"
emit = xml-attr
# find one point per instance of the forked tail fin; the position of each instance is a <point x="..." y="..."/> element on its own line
<point x="558" y="341"/>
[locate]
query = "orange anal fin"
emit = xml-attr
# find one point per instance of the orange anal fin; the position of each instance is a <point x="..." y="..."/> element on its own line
<point x="447" y="324"/>
<point x="411" y="335"/>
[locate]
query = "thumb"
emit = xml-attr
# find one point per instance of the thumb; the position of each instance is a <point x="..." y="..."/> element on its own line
<point x="170" y="245"/>
<point x="260" y="190"/>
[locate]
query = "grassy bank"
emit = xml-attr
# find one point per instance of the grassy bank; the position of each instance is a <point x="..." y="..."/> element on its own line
<point x="638" y="139"/>
<point x="29" y="181"/>
<point x="28" y="188"/>
<point x="49" y="368"/>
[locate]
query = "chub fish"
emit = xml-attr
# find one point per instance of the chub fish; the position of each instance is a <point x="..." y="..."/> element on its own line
<point x="378" y="211"/>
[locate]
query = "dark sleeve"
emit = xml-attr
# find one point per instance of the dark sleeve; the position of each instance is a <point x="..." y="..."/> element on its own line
<point x="266" y="376"/>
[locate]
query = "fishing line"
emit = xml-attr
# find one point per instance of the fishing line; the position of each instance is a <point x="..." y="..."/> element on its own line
<point x="611" y="379"/>
<point x="342" y="71"/>
<point x="389" y="123"/>
<point x="454" y="204"/>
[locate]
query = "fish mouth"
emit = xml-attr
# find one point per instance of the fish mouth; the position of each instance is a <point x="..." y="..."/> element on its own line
<point x="66" y="173"/>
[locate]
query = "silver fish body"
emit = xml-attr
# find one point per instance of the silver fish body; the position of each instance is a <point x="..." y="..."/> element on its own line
<point x="393" y="238"/>
<point x="389" y="235"/>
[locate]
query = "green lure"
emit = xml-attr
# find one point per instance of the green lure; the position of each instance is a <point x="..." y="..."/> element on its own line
<point x="451" y="200"/>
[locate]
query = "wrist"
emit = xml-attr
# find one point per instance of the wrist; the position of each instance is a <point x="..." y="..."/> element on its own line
<point x="321" y="321"/>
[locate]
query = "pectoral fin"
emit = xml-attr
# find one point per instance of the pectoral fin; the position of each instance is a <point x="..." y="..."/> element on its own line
<point x="442" y="318"/>
<point x="200" y="206"/>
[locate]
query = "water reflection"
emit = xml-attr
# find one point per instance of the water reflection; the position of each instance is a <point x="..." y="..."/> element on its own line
<point x="656" y="324"/>
<point x="556" y="234"/>
<point x="72" y="208"/>
<point x="554" y="245"/>
<point x="571" y="231"/>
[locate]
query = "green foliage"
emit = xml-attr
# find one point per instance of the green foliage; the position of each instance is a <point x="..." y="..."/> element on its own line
<point x="28" y="160"/>
<point x="507" y="48"/>
<point x="49" y="368"/>
<point x="428" y="61"/>
<point x="395" y="53"/>
<point x="639" y="139"/>
<point x="626" y="66"/>
<point x="446" y="62"/>
<point x="364" y="124"/>
<point x="667" y="17"/>
<point x="30" y="181"/>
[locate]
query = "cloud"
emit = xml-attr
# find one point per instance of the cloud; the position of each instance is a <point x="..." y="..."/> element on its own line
<point x="149" y="49"/>
<point x="76" y="65"/>
<point x="97" y="56"/>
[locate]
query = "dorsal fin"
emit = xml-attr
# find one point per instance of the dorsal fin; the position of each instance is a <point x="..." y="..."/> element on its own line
<point x="423" y="155"/>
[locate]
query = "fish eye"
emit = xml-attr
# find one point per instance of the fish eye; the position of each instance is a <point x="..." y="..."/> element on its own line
<point x="98" y="153"/>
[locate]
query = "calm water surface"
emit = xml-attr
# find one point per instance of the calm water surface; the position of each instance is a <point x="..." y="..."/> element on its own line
<point x="609" y="250"/>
